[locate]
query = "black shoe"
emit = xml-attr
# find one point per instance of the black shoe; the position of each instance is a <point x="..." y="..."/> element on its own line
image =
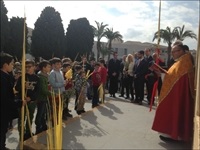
<point x="83" y="111"/>
<point x="95" y="105"/>
<point x="149" y="103"/>
<point x="69" y="110"/>
<point x="79" y="112"/>
<point x="135" y="101"/>
<point x="114" y="95"/>
<point x="27" y="136"/>
<point x="140" y="103"/>
<point x="89" y="98"/>
<point x="44" y="128"/>
<point x="127" y="98"/>
<point x="132" y="100"/>
<point x="69" y="115"/>
<point x="75" y="107"/>
<point x="10" y="127"/>
<point x="38" y="131"/>
<point x="167" y="139"/>
<point x="110" y="95"/>
<point x="64" y="117"/>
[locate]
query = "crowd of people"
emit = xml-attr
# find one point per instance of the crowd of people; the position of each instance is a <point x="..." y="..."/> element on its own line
<point x="83" y="79"/>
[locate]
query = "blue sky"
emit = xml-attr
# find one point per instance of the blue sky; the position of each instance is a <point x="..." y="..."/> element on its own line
<point x="135" y="20"/>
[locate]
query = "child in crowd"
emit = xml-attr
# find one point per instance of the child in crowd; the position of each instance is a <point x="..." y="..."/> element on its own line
<point x="8" y="106"/>
<point x="103" y="73"/>
<point x="42" y="98"/>
<point x="68" y="90"/>
<point x="16" y="73"/>
<point x="96" y="81"/>
<point x="56" y="78"/>
<point x="31" y="92"/>
<point x="17" y="70"/>
<point x="81" y="89"/>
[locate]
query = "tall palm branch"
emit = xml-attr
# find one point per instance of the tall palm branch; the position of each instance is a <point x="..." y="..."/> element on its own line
<point x="181" y="34"/>
<point x="168" y="37"/>
<point x="111" y="35"/>
<point x="99" y="33"/>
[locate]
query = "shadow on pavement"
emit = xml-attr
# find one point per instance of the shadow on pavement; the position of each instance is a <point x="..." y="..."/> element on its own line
<point x="107" y="112"/>
<point x="181" y="146"/>
<point x="94" y="129"/>
<point x="70" y="132"/>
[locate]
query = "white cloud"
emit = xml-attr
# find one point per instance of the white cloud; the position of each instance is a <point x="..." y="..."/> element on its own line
<point x="135" y="20"/>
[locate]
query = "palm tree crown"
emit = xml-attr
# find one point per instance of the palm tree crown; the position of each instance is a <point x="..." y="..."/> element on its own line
<point x="181" y="34"/>
<point x="99" y="33"/>
<point x="111" y="35"/>
<point x="169" y="36"/>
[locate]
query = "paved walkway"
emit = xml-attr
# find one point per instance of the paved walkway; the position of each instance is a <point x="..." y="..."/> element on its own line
<point x="117" y="124"/>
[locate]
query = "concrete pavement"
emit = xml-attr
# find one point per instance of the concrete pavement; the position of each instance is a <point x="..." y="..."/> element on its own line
<point x="117" y="124"/>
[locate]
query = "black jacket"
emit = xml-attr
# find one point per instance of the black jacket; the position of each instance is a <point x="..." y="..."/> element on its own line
<point x="140" y="70"/>
<point x="8" y="105"/>
<point x="113" y="66"/>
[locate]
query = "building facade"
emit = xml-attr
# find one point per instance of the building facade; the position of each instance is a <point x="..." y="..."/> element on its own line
<point x="131" y="47"/>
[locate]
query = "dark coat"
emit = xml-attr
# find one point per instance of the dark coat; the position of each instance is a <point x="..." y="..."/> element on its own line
<point x="113" y="66"/>
<point x="149" y="59"/>
<point x="140" y="70"/>
<point x="8" y="105"/>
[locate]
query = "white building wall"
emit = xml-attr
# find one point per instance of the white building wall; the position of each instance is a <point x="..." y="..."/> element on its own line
<point x="130" y="47"/>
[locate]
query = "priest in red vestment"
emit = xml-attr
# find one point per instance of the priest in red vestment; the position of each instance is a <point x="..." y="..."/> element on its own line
<point x="175" y="111"/>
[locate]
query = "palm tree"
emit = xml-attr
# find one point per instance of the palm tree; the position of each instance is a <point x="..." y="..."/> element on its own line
<point x="110" y="35"/>
<point x="99" y="33"/>
<point x="181" y="34"/>
<point x="169" y="36"/>
<point x="104" y="50"/>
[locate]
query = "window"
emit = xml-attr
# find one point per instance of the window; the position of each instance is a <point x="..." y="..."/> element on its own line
<point x="125" y="51"/>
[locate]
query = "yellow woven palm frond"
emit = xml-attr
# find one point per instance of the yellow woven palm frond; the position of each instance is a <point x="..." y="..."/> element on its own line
<point x="49" y="133"/>
<point x="89" y="75"/>
<point x="69" y="74"/>
<point x="28" y="119"/>
<point x="54" y="132"/>
<point x="59" y="125"/>
<point x="100" y="89"/>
